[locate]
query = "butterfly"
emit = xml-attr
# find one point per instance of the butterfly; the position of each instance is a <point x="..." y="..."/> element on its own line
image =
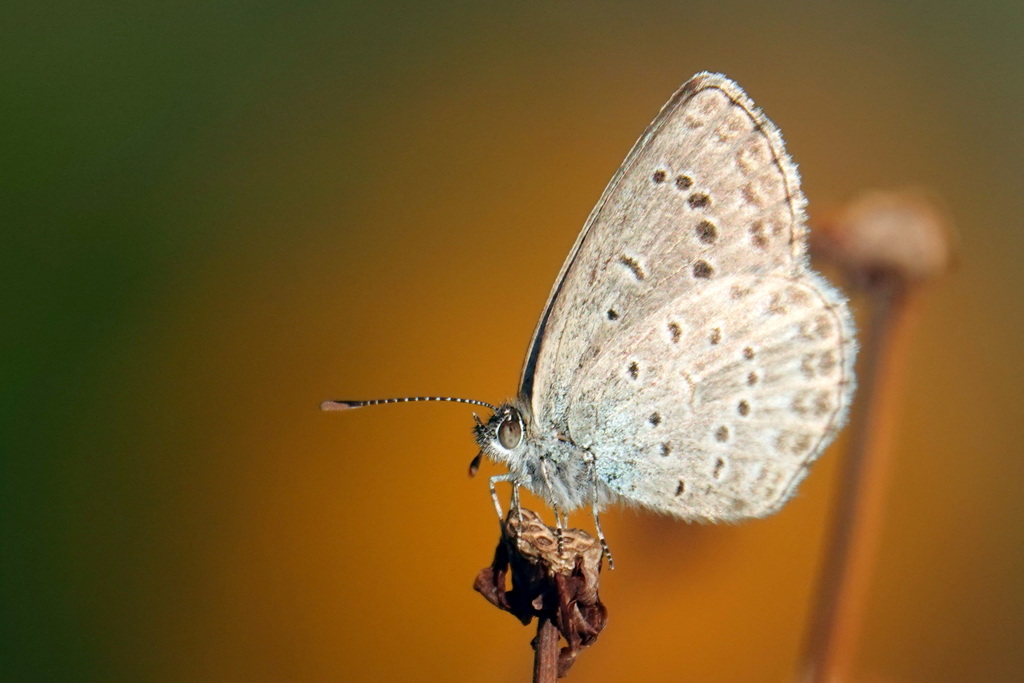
<point x="688" y="360"/>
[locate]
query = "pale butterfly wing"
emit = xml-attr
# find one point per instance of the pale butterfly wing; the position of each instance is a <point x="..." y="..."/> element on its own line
<point x="696" y="245"/>
<point x="720" y="421"/>
<point x="654" y="206"/>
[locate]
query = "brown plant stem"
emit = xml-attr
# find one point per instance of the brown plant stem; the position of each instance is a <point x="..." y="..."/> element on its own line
<point x="889" y="244"/>
<point x="545" y="646"/>
<point x="853" y="543"/>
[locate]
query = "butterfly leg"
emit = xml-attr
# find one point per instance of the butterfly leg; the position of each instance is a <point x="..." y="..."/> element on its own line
<point x="593" y="509"/>
<point x="551" y="495"/>
<point x="494" y="492"/>
<point x="600" y="536"/>
<point x="515" y="502"/>
<point x="560" y="519"/>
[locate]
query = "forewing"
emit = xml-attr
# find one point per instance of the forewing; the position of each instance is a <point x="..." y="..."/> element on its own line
<point x="706" y="193"/>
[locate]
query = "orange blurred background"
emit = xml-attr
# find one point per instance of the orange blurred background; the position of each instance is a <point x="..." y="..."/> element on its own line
<point x="220" y="215"/>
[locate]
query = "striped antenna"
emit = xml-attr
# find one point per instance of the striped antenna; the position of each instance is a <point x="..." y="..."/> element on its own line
<point x="348" y="405"/>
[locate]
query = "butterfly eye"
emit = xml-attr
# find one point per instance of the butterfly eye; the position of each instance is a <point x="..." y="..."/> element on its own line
<point x="510" y="431"/>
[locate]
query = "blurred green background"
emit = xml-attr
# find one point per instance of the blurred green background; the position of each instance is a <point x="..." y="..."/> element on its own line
<point x="218" y="214"/>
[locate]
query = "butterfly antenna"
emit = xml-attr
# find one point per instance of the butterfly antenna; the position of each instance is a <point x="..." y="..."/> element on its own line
<point x="348" y="405"/>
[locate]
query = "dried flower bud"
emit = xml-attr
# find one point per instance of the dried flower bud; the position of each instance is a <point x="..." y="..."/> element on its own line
<point x="904" y="234"/>
<point x="560" y="586"/>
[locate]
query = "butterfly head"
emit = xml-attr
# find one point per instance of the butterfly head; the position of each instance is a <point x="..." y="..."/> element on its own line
<point x="503" y="437"/>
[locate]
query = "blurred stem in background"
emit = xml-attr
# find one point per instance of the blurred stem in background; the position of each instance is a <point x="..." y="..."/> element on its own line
<point x="889" y="245"/>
